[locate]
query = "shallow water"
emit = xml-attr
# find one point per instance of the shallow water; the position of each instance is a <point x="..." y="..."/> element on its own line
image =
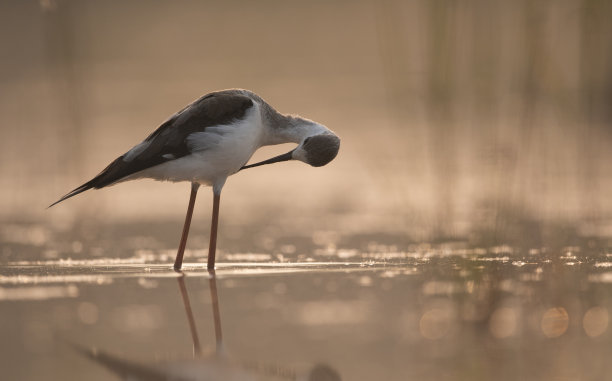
<point x="379" y="308"/>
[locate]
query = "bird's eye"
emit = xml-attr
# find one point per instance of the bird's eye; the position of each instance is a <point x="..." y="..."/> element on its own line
<point x="306" y="140"/>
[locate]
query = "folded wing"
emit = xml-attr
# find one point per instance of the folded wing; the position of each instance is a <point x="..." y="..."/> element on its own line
<point x="171" y="140"/>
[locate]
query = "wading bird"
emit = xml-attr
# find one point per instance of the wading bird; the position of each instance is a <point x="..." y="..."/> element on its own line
<point x="211" y="139"/>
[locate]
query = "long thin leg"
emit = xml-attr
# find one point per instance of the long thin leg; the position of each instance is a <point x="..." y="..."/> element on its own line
<point x="178" y="263"/>
<point x="212" y="247"/>
<point x="192" y="326"/>
<point x="212" y="282"/>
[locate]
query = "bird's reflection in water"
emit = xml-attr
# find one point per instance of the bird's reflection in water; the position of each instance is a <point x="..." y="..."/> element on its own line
<point x="216" y="366"/>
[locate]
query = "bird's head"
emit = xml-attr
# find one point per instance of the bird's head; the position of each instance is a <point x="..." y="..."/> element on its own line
<point x="316" y="150"/>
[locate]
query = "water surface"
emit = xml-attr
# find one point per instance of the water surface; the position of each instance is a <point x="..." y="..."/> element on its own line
<point x="379" y="309"/>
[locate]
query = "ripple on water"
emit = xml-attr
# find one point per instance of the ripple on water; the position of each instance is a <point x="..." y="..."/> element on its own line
<point x="38" y="292"/>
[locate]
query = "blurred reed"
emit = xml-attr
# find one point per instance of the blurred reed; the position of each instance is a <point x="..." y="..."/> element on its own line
<point x="512" y="100"/>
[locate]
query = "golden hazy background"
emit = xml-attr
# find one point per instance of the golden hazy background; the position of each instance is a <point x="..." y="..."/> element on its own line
<point x="455" y="116"/>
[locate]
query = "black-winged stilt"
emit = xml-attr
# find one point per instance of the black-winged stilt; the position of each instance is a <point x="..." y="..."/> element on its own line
<point x="208" y="141"/>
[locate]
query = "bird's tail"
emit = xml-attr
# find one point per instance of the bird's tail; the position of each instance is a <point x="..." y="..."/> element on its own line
<point x="74" y="192"/>
<point x="113" y="173"/>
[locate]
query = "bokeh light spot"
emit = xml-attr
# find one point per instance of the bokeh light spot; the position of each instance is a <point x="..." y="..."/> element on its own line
<point x="595" y="321"/>
<point x="554" y="322"/>
<point x="435" y="323"/>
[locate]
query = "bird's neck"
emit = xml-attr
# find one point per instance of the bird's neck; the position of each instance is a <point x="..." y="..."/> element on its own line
<point x="293" y="129"/>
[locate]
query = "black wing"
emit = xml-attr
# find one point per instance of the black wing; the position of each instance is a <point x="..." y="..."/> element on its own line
<point x="169" y="141"/>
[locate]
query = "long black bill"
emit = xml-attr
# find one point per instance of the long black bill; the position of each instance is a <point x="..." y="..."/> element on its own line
<point x="283" y="157"/>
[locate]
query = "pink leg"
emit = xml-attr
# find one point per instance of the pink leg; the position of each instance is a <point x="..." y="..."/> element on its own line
<point x="178" y="263"/>
<point x="212" y="248"/>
